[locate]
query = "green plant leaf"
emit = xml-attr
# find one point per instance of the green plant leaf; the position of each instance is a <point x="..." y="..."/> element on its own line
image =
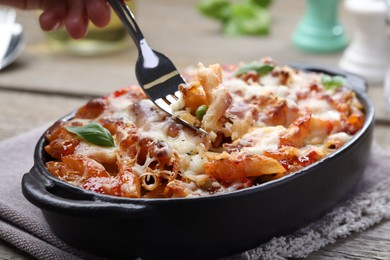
<point x="334" y="82"/>
<point x="261" y="3"/>
<point x="93" y="133"/>
<point x="261" y="69"/>
<point x="249" y="19"/>
<point x="216" y="9"/>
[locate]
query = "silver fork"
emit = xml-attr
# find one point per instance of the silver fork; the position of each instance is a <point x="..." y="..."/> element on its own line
<point x="155" y="72"/>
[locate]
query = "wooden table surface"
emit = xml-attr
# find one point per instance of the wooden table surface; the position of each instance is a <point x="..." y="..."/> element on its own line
<point x="43" y="84"/>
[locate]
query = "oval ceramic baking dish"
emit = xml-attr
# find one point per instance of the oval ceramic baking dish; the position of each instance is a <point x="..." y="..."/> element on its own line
<point x="202" y="227"/>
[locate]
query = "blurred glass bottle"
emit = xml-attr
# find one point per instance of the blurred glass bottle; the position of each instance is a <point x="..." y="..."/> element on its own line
<point x="105" y="40"/>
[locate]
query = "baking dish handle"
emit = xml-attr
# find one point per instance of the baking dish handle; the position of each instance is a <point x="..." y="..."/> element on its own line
<point x="41" y="192"/>
<point x="356" y="82"/>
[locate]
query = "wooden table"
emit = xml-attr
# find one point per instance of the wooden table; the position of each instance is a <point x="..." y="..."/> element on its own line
<point x="43" y="84"/>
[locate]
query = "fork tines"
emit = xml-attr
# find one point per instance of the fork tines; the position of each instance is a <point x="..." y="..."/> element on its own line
<point x="165" y="102"/>
<point x="172" y="98"/>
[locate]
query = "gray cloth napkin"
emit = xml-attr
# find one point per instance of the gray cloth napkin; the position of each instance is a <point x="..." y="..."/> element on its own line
<point x="23" y="226"/>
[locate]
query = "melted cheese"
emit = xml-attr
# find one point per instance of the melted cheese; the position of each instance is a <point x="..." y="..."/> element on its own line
<point x="98" y="153"/>
<point x="286" y="114"/>
<point x="262" y="139"/>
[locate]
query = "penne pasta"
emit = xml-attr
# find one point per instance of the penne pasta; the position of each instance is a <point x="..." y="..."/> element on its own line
<point x="263" y="121"/>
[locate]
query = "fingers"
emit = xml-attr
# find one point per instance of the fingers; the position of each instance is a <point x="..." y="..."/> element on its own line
<point x="99" y="12"/>
<point x="74" y="15"/>
<point x="53" y="15"/>
<point x="76" y="21"/>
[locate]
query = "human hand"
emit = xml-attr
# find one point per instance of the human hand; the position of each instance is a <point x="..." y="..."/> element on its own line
<point x="74" y="15"/>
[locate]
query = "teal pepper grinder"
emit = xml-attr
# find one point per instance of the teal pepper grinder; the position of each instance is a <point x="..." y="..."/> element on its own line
<point x="319" y="31"/>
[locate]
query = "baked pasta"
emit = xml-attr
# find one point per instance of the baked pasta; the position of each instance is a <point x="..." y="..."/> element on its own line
<point x="264" y="121"/>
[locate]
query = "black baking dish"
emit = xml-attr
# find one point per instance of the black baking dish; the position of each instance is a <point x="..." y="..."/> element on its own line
<point x="203" y="227"/>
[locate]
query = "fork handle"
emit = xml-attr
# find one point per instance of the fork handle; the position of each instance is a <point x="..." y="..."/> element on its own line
<point x="127" y="18"/>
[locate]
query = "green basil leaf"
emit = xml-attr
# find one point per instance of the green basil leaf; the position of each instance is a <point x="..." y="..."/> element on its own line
<point x="334" y="82"/>
<point x="216" y="9"/>
<point x="93" y="133"/>
<point x="247" y="19"/>
<point x="262" y="3"/>
<point x="261" y="69"/>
